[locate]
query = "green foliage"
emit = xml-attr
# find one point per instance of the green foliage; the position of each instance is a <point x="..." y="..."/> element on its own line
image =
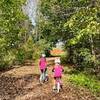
<point x="52" y="19"/>
<point x="83" y="59"/>
<point x="39" y="47"/>
<point x="20" y="56"/>
<point x="29" y="48"/>
<point x="64" y="58"/>
<point x="86" y="81"/>
<point x="11" y="25"/>
<point x="83" y="24"/>
<point x="77" y="23"/>
<point x="6" y="57"/>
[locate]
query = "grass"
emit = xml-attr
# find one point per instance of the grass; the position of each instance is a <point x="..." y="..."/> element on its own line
<point x="82" y="79"/>
<point x="86" y="81"/>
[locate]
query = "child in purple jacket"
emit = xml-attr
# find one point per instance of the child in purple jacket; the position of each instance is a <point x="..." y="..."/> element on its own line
<point x="57" y="69"/>
<point x="43" y="68"/>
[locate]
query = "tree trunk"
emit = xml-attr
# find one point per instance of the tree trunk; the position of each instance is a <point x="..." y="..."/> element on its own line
<point x="92" y="50"/>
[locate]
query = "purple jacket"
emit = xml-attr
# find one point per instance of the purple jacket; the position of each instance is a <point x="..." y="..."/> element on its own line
<point x="42" y="63"/>
<point x="58" y="69"/>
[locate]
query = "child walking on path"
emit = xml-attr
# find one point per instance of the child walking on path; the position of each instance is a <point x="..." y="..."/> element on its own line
<point x="43" y="67"/>
<point x="57" y="69"/>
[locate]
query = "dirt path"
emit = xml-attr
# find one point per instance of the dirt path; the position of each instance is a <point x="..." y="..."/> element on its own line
<point x="22" y="84"/>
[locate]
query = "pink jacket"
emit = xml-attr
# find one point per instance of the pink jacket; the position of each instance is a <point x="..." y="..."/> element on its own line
<point x="58" y="69"/>
<point x="42" y="63"/>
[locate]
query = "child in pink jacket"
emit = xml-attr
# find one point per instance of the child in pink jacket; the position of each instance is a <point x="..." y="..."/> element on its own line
<point x="43" y="67"/>
<point x="57" y="69"/>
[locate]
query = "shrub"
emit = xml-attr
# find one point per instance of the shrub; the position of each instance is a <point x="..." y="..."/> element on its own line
<point x="40" y="47"/>
<point x="20" y="56"/>
<point x="29" y="48"/>
<point x="83" y="58"/>
<point x="64" y="58"/>
<point x="7" y="60"/>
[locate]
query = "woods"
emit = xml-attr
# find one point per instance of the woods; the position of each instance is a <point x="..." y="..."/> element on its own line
<point x="77" y="24"/>
<point x="12" y="30"/>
